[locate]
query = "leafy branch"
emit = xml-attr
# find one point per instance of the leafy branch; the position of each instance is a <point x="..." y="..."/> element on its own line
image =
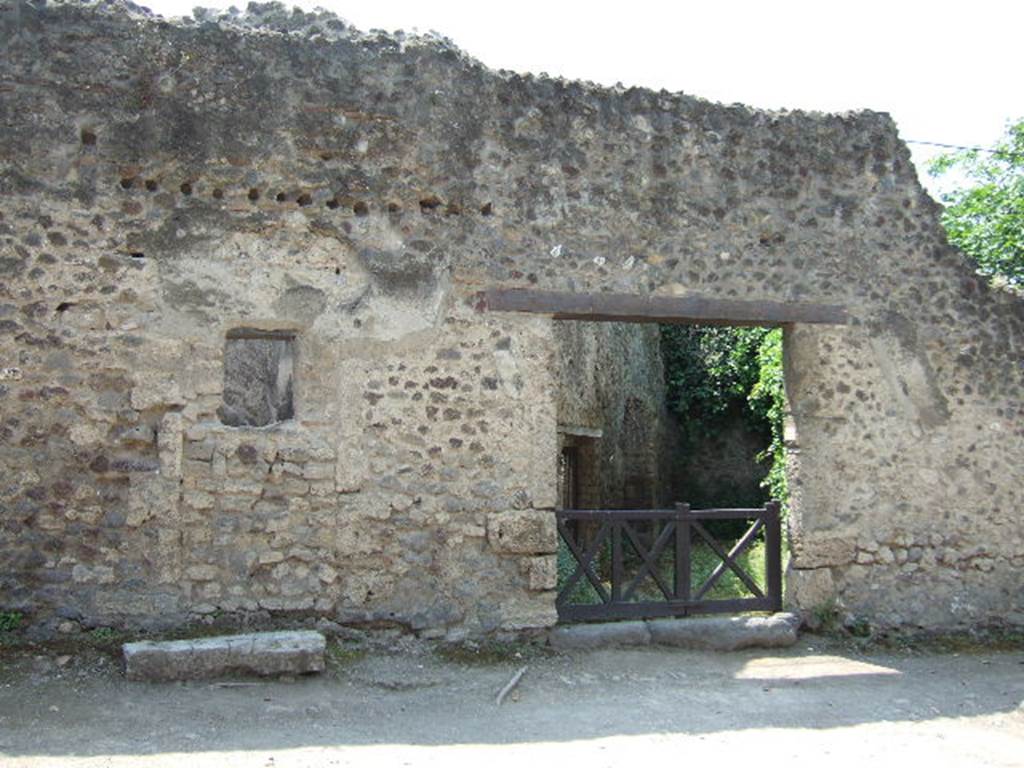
<point x="985" y="217"/>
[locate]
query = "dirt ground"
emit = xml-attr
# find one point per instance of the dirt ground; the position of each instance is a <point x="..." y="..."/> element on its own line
<point x="817" y="703"/>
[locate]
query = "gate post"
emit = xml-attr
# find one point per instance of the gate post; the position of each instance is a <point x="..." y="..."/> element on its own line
<point x="617" y="568"/>
<point x="773" y="554"/>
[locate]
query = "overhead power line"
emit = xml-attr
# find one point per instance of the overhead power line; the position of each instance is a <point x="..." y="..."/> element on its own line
<point x="991" y="151"/>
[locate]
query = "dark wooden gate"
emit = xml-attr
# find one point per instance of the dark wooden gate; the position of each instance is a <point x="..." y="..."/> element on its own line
<point x="640" y="564"/>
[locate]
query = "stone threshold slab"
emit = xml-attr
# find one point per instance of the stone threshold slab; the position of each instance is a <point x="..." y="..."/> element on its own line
<point x="258" y="653"/>
<point x="718" y="633"/>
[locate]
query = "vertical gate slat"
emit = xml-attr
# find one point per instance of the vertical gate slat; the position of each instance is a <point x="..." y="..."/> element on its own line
<point x="682" y="574"/>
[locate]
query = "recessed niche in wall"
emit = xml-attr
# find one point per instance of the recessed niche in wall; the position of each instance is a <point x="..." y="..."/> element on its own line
<point x="258" y="368"/>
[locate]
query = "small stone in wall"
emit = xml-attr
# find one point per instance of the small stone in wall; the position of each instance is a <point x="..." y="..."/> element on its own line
<point x="69" y="627"/>
<point x="402" y="502"/>
<point x="170" y="443"/>
<point x="140" y="434"/>
<point x="202" y="572"/>
<point x="520" y="499"/>
<point x="541" y="572"/>
<point x="98" y="574"/>
<point x="326" y="574"/>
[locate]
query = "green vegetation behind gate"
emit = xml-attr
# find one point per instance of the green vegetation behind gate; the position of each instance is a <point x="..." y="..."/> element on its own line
<point x="703" y="561"/>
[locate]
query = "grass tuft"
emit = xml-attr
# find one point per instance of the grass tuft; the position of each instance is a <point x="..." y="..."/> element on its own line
<point x="10" y="620"/>
<point x="340" y="654"/>
<point x="490" y="652"/>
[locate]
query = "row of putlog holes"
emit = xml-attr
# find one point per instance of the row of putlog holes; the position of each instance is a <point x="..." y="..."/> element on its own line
<point x="429" y="204"/>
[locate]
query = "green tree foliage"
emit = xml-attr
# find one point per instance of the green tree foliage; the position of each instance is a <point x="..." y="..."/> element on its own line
<point x="711" y="372"/>
<point x="985" y="218"/>
<point x="768" y="399"/>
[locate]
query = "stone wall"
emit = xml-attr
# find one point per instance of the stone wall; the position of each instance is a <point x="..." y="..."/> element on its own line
<point x="165" y="185"/>
<point x="720" y="469"/>
<point x="610" y="406"/>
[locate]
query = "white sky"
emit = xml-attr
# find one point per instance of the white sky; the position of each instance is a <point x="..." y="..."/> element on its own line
<point x="947" y="72"/>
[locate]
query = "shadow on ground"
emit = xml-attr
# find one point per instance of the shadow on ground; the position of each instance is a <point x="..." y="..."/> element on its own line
<point x="59" y="711"/>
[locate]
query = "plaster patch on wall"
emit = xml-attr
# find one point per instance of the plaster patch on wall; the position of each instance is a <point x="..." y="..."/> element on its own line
<point x="911" y="382"/>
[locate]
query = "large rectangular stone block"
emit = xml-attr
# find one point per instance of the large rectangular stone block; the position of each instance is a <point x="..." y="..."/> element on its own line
<point x="525" y="532"/>
<point x="260" y="653"/>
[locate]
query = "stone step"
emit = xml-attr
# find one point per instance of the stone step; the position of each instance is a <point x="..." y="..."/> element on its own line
<point x="259" y="653"/>
<point x="719" y="633"/>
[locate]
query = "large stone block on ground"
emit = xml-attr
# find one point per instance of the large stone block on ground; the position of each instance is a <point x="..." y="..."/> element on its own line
<point x="526" y="532"/>
<point x="727" y="633"/>
<point x="260" y="653"/>
<point x="584" y="636"/>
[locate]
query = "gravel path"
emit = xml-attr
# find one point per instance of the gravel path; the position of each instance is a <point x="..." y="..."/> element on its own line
<point x="612" y="707"/>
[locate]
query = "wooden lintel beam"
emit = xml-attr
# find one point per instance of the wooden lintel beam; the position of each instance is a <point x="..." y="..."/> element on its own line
<point x="629" y="308"/>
